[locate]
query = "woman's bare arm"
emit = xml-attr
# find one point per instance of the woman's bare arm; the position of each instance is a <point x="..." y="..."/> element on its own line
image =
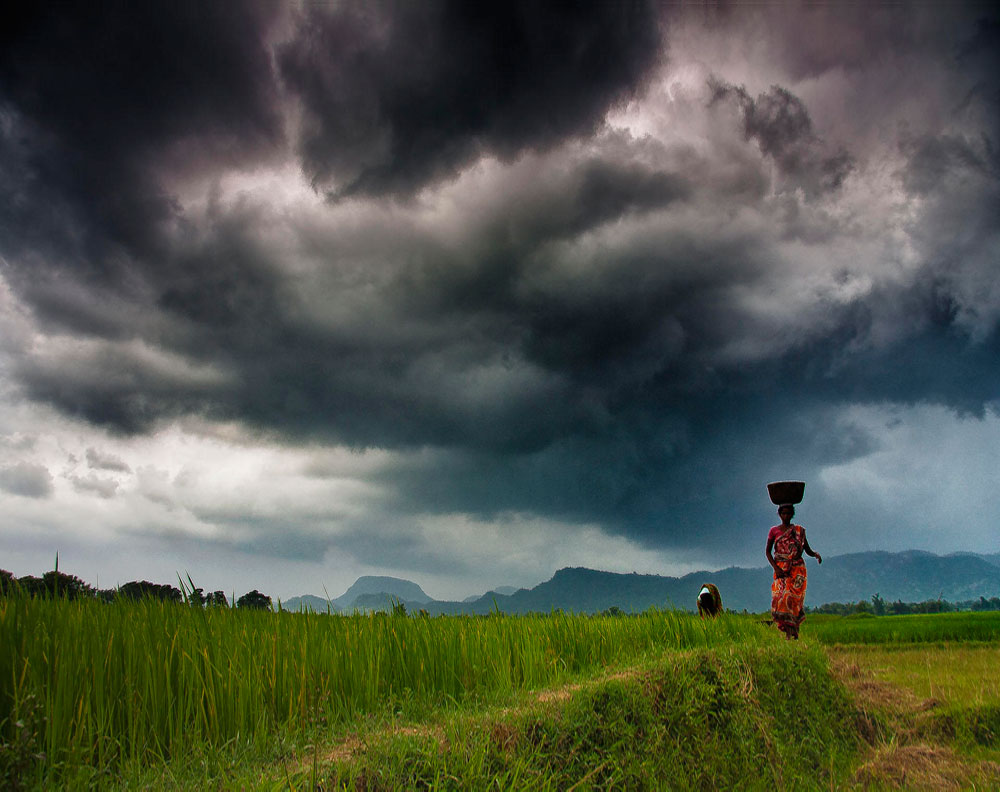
<point x="809" y="550"/>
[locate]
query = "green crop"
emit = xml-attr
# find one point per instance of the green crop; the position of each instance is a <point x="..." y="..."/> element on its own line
<point x="916" y="628"/>
<point x="141" y="682"/>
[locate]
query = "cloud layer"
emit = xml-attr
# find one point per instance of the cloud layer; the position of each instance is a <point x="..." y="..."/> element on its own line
<point x="605" y="269"/>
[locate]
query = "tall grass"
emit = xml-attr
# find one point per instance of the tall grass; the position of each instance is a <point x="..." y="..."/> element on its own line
<point x="139" y="682"/>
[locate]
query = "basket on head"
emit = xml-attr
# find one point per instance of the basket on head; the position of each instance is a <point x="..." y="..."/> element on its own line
<point x="786" y="491"/>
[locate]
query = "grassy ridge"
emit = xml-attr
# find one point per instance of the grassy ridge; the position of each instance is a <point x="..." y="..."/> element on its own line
<point x="140" y="683"/>
<point x="738" y="717"/>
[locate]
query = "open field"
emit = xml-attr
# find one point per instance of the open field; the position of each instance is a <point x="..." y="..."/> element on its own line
<point x="168" y="696"/>
<point x="961" y="675"/>
<point x="964" y="627"/>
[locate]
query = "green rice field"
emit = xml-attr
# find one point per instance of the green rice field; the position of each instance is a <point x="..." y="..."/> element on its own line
<point x="972" y="677"/>
<point x="965" y="627"/>
<point x="142" y="682"/>
<point x="947" y="691"/>
<point x="161" y="695"/>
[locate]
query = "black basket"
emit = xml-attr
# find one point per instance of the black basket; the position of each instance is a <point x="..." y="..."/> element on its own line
<point x="786" y="491"/>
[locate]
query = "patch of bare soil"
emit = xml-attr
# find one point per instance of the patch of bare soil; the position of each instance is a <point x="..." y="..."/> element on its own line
<point x="925" y="767"/>
<point x="345" y="749"/>
<point x="890" y="719"/>
<point x="563" y="693"/>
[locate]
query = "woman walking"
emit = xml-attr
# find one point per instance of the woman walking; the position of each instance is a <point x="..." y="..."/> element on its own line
<point x="785" y="545"/>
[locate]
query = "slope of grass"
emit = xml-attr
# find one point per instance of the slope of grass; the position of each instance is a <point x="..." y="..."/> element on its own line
<point x="918" y="742"/>
<point x="750" y="717"/>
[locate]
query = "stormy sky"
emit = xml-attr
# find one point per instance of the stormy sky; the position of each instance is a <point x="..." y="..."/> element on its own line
<point x="468" y="292"/>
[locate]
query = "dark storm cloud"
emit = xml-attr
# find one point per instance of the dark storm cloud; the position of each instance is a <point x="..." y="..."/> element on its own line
<point x="607" y="190"/>
<point x="779" y="122"/>
<point x="225" y="306"/>
<point x="981" y="55"/>
<point x="577" y="198"/>
<point x="935" y="158"/>
<point x="93" y="100"/>
<point x="587" y="330"/>
<point x="112" y="389"/>
<point x="686" y="484"/>
<point x="957" y="177"/>
<point x="27" y="480"/>
<point x="686" y="471"/>
<point x="400" y="94"/>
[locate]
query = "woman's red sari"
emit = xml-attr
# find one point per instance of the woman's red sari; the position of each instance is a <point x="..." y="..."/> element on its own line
<point x="788" y="594"/>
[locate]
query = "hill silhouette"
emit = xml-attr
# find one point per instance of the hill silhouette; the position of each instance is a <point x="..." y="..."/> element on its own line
<point x="369" y="592"/>
<point x="910" y="576"/>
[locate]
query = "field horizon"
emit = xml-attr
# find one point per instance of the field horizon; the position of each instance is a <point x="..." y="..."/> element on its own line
<point x="911" y="576"/>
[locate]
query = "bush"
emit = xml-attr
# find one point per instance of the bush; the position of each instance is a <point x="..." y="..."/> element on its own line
<point x="255" y="600"/>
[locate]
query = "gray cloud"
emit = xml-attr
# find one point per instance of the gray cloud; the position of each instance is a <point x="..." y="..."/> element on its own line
<point x="103" y="461"/>
<point x="102" y="487"/>
<point x="94" y="108"/>
<point x="397" y="95"/>
<point x="779" y="122"/>
<point x="19" y="442"/>
<point x="957" y="177"/>
<point x="26" y="480"/>
<point x="108" y="389"/>
<point x="590" y="322"/>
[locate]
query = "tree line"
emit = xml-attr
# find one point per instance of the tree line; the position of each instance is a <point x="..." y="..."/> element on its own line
<point x="59" y="584"/>
<point x="877" y="606"/>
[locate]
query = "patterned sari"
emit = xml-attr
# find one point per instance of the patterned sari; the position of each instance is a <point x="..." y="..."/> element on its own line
<point x="788" y="594"/>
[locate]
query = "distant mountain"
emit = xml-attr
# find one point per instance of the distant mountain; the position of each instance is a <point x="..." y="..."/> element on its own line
<point x="498" y="590"/>
<point x="404" y="590"/>
<point x="911" y="576"/>
<point x="587" y="590"/>
<point x="369" y="592"/>
<point x="385" y="602"/>
<point x="309" y="602"/>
